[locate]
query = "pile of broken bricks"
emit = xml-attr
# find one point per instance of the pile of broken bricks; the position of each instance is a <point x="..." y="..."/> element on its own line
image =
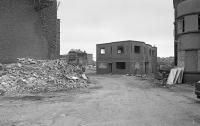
<point x="29" y="76"/>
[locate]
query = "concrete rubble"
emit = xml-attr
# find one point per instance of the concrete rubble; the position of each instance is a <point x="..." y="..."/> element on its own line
<point x="29" y="76"/>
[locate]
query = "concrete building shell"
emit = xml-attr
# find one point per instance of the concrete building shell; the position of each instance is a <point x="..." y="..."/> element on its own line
<point x="29" y="28"/>
<point x="187" y="38"/>
<point x="126" y="57"/>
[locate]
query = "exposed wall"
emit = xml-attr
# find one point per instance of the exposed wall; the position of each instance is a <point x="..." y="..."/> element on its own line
<point x="189" y="41"/>
<point x="154" y="60"/>
<point x="50" y="26"/>
<point x="57" y="54"/>
<point x="102" y="60"/>
<point x="187" y="7"/>
<point x="181" y="58"/>
<point x="25" y="32"/>
<point x="136" y="63"/>
<point x="125" y="56"/>
<point x="147" y="58"/>
<point x="103" y="67"/>
<point x="90" y="59"/>
<point x="139" y="59"/>
<point x="188" y="36"/>
<point x="127" y="69"/>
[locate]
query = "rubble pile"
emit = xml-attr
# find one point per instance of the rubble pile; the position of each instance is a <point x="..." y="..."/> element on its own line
<point x="33" y="76"/>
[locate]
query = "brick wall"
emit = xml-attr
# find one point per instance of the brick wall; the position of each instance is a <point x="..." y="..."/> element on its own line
<point x="181" y="58"/>
<point x="58" y="39"/>
<point x="136" y="63"/>
<point x="25" y="32"/>
<point x="50" y="26"/>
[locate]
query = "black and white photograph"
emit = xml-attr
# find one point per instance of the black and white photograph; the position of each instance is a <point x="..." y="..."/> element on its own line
<point x="99" y="62"/>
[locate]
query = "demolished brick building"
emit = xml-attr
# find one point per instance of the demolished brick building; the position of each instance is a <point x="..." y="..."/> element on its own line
<point x="29" y="28"/>
<point x="126" y="57"/>
<point x="78" y="57"/>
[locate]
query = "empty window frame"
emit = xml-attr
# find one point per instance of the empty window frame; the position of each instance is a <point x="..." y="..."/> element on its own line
<point x="120" y="65"/>
<point x="181" y="25"/>
<point x="137" y="49"/>
<point x="150" y="52"/>
<point x="120" y="49"/>
<point x="102" y="51"/>
<point x="153" y="53"/>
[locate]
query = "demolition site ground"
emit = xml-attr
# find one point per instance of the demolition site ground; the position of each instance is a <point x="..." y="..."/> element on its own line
<point x="110" y="100"/>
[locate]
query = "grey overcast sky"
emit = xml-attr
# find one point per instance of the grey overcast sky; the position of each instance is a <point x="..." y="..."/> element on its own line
<point x="85" y="23"/>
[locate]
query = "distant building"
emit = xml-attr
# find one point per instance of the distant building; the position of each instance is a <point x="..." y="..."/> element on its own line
<point x="126" y="57"/>
<point x="90" y="60"/>
<point x="187" y="38"/>
<point x="29" y="28"/>
<point x="64" y="57"/>
<point x="78" y="57"/>
<point x="165" y="63"/>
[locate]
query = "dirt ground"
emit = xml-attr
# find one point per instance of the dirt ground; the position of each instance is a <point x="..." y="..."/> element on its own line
<point x="111" y="100"/>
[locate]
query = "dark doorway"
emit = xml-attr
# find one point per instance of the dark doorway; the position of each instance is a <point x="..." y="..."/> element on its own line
<point x="146" y="67"/>
<point x="121" y="65"/>
<point x="110" y="67"/>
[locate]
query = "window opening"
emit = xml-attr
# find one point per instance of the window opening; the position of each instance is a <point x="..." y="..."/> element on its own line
<point x="121" y="65"/>
<point x="120" y="49"/>
<point x="137" y="49"/>
<point x="103" y="51"/>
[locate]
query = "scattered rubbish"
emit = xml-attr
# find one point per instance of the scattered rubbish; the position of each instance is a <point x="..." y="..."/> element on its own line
<point x="84" y="77"/>
<point x="75" y="78"/>
<point x="35" y="76"/>
<point x="175" y="76"/>
<point x="162" y="76"/>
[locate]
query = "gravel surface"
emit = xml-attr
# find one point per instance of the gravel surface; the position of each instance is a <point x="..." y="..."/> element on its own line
<point x="110" y="101"/>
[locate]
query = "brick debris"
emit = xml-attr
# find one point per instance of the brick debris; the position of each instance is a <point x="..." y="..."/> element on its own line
<point x="36" y="76"/>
